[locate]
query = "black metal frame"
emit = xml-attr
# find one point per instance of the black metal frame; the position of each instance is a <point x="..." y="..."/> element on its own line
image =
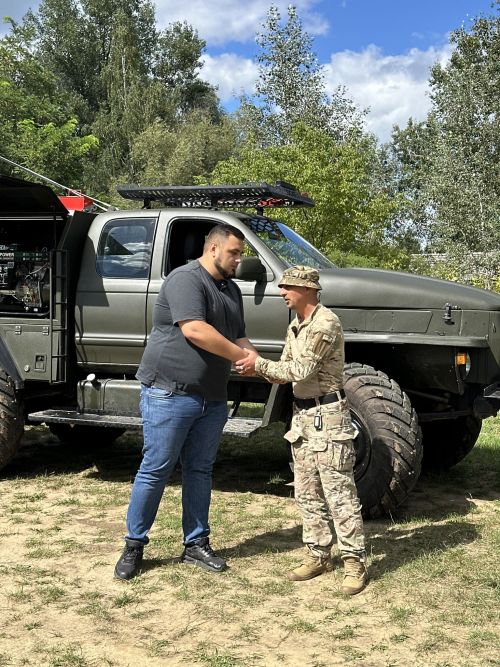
<point x="246" y="195"/>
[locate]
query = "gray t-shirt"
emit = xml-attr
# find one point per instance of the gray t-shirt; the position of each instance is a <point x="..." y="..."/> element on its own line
<point x="170" y="360"/>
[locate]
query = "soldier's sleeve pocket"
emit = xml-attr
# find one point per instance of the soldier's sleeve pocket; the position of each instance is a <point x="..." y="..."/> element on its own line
<point x="321" y="345"/>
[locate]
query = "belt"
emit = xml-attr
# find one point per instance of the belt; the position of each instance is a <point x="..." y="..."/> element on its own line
<point x="306" y="403"/>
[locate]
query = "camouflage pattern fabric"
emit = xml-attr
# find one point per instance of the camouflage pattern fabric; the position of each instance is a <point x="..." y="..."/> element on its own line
<point x="313" y="360"/>
<point x="313" y="356"/>
<point x="301" y="276"/>
<point x="325" y="493"/>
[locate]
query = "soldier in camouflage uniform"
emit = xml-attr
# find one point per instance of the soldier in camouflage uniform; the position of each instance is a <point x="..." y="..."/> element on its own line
<point x="321" y="433"/>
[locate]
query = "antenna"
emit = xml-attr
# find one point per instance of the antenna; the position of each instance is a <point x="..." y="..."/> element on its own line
<point x="100" y="204"/>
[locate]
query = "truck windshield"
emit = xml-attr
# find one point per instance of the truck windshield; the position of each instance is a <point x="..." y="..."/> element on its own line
<point x="286" y="244"/>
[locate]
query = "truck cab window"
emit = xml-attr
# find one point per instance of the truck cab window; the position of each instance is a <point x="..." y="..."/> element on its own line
<point x="124" y="249"/>
<point x="186" y="242"/>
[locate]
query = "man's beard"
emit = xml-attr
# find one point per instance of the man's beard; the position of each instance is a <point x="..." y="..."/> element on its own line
<point x="225" y="274"/>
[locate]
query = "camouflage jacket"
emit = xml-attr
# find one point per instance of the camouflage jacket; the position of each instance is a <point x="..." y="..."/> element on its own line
<point x="313" y="356"/>
<point x="313" y="360"/>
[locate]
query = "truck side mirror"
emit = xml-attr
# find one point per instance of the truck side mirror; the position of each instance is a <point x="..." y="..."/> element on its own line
<point x="250" y="268"/>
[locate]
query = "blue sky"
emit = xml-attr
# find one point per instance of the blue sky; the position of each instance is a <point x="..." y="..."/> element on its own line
<point x="380" y="50"/>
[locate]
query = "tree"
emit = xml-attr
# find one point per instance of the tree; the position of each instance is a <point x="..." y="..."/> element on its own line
<point x="120" y="74"/>
<point x="181" y="155"/>
<point x="76" y="40"/>
<point x="291" y="87"/>
<point x="466" y="172"/>
<point x="410" y="155"/>
<point x="177" y="67"/>
<point x="352" y="212"/>
<point x="37" y="128"/>
<point x="450" y="164"/>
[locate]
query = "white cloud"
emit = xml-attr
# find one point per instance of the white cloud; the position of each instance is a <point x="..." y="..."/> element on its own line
<point x="232" y="74"/>
<point x="222" y="21"/>
<point x="217" y="21"/>
<point x="392" y="87"/>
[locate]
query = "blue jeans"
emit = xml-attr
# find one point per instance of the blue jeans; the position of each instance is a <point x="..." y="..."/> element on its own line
<point x="176" y="426"/>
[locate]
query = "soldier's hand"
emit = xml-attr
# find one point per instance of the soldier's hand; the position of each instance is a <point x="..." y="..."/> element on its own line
<point x="246" y="366"/>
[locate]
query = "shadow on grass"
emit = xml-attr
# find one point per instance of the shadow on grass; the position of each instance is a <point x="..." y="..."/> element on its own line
<point x="391" y="547"/>
<point x="42" y="454"/>
<point x="398" y="545"/>
<point x="259" y="464"/>
<point x="272" y="542"/>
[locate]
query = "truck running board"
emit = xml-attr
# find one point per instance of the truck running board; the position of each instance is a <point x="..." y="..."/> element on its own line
<point x="240" y="426"/>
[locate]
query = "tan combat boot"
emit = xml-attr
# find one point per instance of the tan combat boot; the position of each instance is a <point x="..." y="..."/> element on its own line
<point x="312" y="567"/>
<point x="355" y="576"/>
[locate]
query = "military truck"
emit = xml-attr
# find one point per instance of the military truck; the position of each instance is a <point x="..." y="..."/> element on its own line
<point x="76" y="301"/>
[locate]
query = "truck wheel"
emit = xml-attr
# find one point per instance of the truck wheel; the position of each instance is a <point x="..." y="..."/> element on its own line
<point x="11" y="419"/>
<point x="448" y="441"/>
<point x="389" y="442"/>
<point x="89" y="436"/>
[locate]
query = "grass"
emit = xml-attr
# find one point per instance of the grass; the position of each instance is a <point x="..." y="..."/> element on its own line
<point x="67" y="656"/>
<point x="432" y="601"/>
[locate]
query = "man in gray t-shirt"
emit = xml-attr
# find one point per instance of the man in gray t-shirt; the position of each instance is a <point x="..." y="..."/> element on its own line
<point x="198" y="330"/>
<point x="192" y="293"/>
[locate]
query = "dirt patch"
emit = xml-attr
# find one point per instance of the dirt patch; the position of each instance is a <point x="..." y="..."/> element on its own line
<point x="62" y="523"/>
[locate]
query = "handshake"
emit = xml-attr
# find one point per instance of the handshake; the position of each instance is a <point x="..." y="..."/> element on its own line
<point x="246" y="365"/>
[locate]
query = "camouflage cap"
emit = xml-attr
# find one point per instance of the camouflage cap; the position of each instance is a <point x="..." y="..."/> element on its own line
<point x="300" y="276"/>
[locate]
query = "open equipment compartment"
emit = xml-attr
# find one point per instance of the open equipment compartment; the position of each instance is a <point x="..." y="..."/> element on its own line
<point x="32" y="220"/>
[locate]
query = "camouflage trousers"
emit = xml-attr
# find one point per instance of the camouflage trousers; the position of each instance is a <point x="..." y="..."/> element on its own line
<point x="327" y="497"/>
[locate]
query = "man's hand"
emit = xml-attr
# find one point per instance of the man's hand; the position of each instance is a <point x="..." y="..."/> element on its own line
<point x="246" y="366"/>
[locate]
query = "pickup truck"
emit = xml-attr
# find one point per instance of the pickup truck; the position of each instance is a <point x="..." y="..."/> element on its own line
<point x="76" y="301"/>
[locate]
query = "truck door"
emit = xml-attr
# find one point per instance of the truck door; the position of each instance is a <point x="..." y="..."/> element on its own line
<point x="110" y="311"/>
<point x="180" y="239"/>
<point x="266" y="315"/>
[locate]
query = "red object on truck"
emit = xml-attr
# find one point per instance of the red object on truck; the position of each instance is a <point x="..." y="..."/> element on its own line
<point x="77" y="202"/>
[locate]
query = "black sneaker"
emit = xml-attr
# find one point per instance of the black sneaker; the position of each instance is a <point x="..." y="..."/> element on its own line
<point x="129" y="563"/>
<point x="203" y="555"/>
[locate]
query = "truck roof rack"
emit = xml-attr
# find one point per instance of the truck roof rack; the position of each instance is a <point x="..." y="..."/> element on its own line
<point x="246" y="195"/>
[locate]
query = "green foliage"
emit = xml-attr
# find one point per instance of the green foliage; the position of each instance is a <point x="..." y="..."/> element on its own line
<point x="91" y="44"/>
<point x="392" y="259"/>
<point x="352" y="213"/>
<point x="177" y="67"/>
<point x="179" y="155"/>
<point x="449" y="166"/>
<point x="411" y="150"/>
<point x="105" y="63"/>
<point x="291" y="87"/>
<point x="36" y="127"/>
<point x="54" y="150"/>
<point x="449" y="267"/>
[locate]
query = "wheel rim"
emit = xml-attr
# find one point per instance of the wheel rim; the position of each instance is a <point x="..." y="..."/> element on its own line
<point x="362" y="446"/>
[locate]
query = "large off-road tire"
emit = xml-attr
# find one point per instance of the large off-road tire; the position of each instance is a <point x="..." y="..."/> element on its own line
<point x="11" y="419"/>
<point x="389" y="442"/>
<point x="86" y="436"/>
<point x="446" y="442"/>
